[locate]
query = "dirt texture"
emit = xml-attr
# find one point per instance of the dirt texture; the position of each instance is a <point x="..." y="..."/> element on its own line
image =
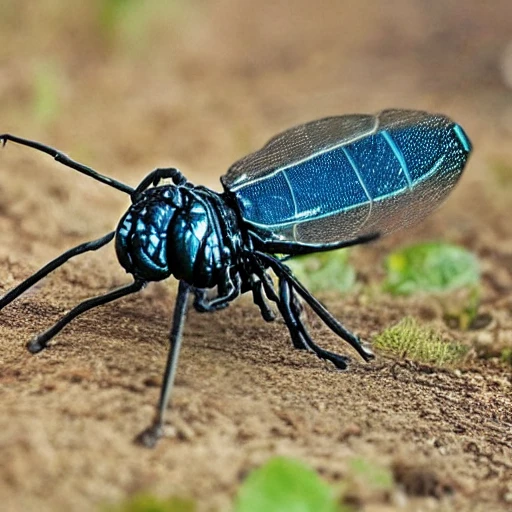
<point x="197" y="86"/>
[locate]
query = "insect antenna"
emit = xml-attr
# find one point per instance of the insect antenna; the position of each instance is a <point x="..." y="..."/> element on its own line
<point x="52" y="265"/>
<point x="62" y="158"/>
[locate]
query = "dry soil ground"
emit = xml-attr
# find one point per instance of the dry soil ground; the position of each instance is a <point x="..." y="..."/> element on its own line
<point x="199" y="85"/>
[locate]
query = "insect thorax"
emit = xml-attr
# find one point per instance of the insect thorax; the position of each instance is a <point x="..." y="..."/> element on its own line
<point x="187" y="232"/>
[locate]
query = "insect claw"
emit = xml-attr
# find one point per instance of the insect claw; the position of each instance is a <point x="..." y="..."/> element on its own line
<point x="150" y="436"/>
<point x="3" y="140"/>
<point x="367" y="354"/>
<point x="35" y="345"/>
<point x="341" y="362"/>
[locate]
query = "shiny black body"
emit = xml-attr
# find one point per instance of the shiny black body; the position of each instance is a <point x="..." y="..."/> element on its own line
<point x="184" y="231"/>
<point x="320" y="186"/>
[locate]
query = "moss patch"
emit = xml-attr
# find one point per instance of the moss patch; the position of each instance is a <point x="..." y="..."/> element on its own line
<point x="411" y="340"/>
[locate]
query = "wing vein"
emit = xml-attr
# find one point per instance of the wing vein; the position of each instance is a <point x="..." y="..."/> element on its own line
<point x="360" y="178"/>
<point x="398" y="155"/>
<point x="292" y="193"/>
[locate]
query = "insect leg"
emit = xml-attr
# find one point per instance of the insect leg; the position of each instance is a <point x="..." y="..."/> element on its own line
<point x="293" y="316"/>
<point x="64" y="159"/>
<point x="52" y="265"/>
<point x="259" y="299"/>
<point x="155" y="176"/>
<point x="290" y="249"/>
<point x="285" y="273"/>
<point x="332" y="323"/>
<point x="39" y="342"/>
<point x="203" y="304"/>
<point x="154" y="432"/>
<point x="298" y="340"/>
<point x="201" y="300"/>
<point x="230" y="289"/>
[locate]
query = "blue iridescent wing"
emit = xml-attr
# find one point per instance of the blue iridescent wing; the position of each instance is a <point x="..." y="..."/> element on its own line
<point x="343" y="177"/>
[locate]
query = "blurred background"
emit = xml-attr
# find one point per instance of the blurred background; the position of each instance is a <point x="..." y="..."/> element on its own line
<point x="129" y="85"/>
<point x="126" y="86"/>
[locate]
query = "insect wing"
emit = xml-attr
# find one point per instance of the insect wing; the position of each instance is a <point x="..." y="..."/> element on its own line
<point x="297" y="144"/>
<point x="343" y="177"/>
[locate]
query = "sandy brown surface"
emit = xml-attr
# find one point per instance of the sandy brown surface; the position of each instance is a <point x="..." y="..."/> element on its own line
<point x="197" y="86"/>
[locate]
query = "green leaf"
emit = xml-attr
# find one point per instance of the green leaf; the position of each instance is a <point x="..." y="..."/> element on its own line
<point x="430" y="267"/>
<point x="285" y="485"/>
<point x="325" y="271"/>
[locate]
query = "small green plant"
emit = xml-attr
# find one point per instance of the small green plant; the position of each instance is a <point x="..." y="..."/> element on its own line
<point x="325" y="271"/>
<point x="413" y="341"/>
<point x="430" y="267"/>
<point x="460" y="309"/>
<point x="150" y="503"/>
<point x="506" y="356"/>
<point x="285" y="485"/>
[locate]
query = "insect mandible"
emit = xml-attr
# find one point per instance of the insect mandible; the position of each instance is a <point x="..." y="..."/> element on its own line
<point x="323" y="185"/>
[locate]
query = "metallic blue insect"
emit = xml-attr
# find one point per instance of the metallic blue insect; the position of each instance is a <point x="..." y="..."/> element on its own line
<point x="323" y="185"/>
